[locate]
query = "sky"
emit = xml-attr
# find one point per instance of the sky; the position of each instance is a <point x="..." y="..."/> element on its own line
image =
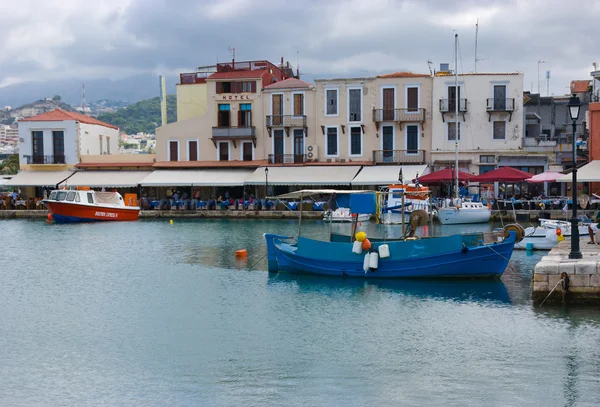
<point x="58" y="40"/>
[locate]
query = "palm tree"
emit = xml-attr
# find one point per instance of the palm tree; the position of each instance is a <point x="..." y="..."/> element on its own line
<point x="10" y="165"/>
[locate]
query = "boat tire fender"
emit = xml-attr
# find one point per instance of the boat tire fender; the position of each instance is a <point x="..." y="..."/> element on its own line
<point x="515" y="227"/>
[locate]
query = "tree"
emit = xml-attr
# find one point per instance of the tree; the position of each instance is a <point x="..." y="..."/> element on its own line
<point x="57" y="98"/>
<point x="142" y="116"/>
<point x="10" y="165"/>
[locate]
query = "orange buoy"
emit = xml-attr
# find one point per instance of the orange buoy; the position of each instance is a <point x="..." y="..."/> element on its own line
<point x="241" y="253"/>
<point x="366" y="244"/>
<point x="558" y="232"/>
<point x="49" y="216"/>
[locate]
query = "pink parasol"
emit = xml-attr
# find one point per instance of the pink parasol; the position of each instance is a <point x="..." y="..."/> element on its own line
<point x="548" y="176"/>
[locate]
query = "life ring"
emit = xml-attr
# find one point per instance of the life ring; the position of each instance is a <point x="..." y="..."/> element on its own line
<point x="515" y="227"/>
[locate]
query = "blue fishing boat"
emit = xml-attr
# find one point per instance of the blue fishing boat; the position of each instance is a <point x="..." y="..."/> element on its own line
<point x="456" y="256"/>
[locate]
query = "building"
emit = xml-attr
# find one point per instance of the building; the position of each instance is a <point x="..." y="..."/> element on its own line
<point x="490" y="123"/>
<point x="57" y="139"/>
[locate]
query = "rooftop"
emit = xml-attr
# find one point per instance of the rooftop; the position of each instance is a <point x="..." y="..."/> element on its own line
<point x="580" y="86"/>
<point x="237" y="74"/>
<point x="404" y="75"/>
<point x="478" y="73"/>
<point x="59" y="115"/>
<point x="290" y="83"/>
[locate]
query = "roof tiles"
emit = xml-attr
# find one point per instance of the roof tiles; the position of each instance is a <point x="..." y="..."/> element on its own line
<point x="59" y="115"/>
<point x="290" y="83"/>
<point x="237" y="74"/>
<point x="404" y="75"/>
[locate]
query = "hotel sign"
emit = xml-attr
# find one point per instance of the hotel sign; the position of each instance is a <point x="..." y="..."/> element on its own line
<point x="237" y="97"/>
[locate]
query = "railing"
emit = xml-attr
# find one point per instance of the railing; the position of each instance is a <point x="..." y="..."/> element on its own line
<point x="449" y="105"/>
<point x="191" y="78"/>
<point x="249" y="131"/>
<point x="286" y="121"/>
<point x="501" y="105"/>
<point x="399" y="115"/>
<point x="399" y="156"/>
<point x="44" y="159"/>
<point x="287" y="158"/>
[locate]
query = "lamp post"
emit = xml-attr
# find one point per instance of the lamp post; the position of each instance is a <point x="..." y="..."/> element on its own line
<point x="574" y="106"/>
<point x="266" y="183"/>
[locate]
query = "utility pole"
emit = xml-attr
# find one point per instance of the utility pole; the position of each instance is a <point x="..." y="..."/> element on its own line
<point x="539" y="62"/>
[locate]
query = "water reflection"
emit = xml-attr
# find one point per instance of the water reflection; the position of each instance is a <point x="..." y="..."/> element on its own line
<point x="450" y="290"/>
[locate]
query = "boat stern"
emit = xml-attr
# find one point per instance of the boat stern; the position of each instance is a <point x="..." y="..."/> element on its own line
<point x="272" y="265"/>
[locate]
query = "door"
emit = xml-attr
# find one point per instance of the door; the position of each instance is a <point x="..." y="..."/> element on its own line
<point x="37" y="147"/>
<point x="388" y="143"/>
<point x="412" y="99"/>
<point x="193" y="148"/>
<point x="453" y="98"/>
<point x="58" y="144"/>
<point x="412" y="139"/>
<point x="224" y="119"/>
<point x="298" y="146"/>
<point x="247" y="151"/>
<point x="173" y="151"/>
<point x="277" y="110"/>
<point x="499" y="97"/>
<point x="278" y="147"/>
<point x="223" y="151"/>
<point x="388" y="104"/>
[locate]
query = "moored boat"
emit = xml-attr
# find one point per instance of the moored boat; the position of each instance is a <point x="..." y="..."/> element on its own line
<point x="546" y="235"/>
<point x="343" y="215"/>
<point x="457" y="212"/>
<point x="402" y="200"/>
<point x="72" y="206"/>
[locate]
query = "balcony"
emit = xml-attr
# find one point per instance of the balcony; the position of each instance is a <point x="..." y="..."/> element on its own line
<point x="286" y="121"/>
<point x="287" y="158"/>
<point x="398" y="115"/>
<point x="234" y="134"/>
<point x="506" y="105"/>
<point x="44" y="159"/>
<point x="449" y="106"/>
<point x="399" y="156"/>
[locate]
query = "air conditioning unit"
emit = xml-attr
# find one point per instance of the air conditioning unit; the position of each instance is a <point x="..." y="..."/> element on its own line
<point x="312" y="152"/>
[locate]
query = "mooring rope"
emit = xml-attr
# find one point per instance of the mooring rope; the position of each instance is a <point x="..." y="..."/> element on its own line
<point x="548" y="296"/>
<point x="251" y="267"/>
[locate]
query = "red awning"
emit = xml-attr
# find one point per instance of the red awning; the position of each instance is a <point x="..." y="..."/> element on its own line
<point x="503" y="174"/>
<point x="447" y="174"/>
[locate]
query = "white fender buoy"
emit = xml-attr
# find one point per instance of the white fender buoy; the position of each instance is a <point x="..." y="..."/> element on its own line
<point x="373" y="260"/>
<point x="366" y="263"/>
<point x="357" y="247"/>
<point x="384" y="251"/>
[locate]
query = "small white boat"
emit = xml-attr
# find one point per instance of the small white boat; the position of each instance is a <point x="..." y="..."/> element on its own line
<point x="402" y="200"/>
<point x="344" y="215"/>
<point x="544" y="237"/>
<point x="456" y="212"/>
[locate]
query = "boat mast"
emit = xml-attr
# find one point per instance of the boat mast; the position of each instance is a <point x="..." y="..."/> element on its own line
<point x="456" y="103"/>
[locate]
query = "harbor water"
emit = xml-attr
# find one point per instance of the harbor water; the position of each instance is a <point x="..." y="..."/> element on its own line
<point x="157" y="314"/>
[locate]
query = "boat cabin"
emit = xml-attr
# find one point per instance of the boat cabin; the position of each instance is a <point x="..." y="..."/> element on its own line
<point x="87" y="197"/>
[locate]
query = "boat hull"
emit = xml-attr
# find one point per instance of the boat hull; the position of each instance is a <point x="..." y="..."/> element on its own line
<point x="427" y="258"/>
<point x="454" y="216"/>
<point x="545" y="238"/>
<point x="75" y="213"/>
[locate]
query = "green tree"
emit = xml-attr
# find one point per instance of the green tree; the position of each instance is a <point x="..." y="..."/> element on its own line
<point x="57" y="98"/>
<point x="10" y="165"/>
<point x="142" y="116"/>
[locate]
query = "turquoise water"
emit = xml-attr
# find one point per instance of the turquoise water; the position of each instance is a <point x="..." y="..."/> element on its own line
<point x="152" y="314"/>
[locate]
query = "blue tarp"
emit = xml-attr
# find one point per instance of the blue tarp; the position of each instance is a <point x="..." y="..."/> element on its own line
<point x="363" y="203"/>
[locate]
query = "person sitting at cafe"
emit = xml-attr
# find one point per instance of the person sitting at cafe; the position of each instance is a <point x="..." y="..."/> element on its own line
<point x="176" y="196"/>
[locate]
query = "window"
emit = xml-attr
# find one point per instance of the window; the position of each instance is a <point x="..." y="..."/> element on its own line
<point x="452" y="131"/>
<point x="245" y="115"/>
<point x="173" y="151"/>
<point x="53" y="195"/>
<point x="452" y="100"/>
<point x="223" y="87"/>
<point x="389" y="103"/>
<point x="100" y="140"/>
<point x="499" y="97"/>
<point x="499" y="130"/>
<point x="331" y="102"/>
<point x="331" y="143"/>
<point x="71" y="196"/>
<point x="278" y="145"/>
<point x="90" y="197"/>
<point x="236" y="87"/>
<point x="61" y="195"/>
<point x="298" y="145"/>
<point x="412" y="99"/>
<point x="223" y="119"/>
<point x="37" y="147"/>
<point x="387" y="143"/>
<point x="355" y="140"/>
<point x="486" y="168"/>
<point x="107" y="145"/>
<point x="412" y="139"/>
<point x="354" y="105"/>
<point x="298" y="104"/>
<point x="58" y="144"/>
<point x="487" y="158"/>
<point x="277" y="109"/>
<point x="192" y="150"/>
<point x="224" y="151"/>
<point x="77" y="199"/>
<point x="247" y="151"/>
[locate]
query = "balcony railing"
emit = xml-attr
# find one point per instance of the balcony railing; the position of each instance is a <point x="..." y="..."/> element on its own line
<point x="234" y="132"/>
<point x="500" y="105"/>
<point x="286" y="121"/>
<point x="399" y="115"/>
<point x="399" y="156"/>
<point x="449" y="105"/>
<point x="44" y="159"/>
<point x="287" y="158"/>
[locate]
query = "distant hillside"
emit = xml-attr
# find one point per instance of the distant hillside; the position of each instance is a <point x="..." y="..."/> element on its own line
<point x="143" y="116"/>
<point x="33" y="109"/>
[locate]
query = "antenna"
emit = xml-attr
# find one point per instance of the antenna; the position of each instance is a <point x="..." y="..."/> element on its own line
<point x="429" y="63"/>
<point x="298" y="64"/>
<point x="232" y="52"/>
<point x="476" y="34"/>
<point x="539" y="62"/>
<point x="83" y="97"/>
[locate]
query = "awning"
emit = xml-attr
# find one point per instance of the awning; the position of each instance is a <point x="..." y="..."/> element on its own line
<point x="38" y="178"/>
<point x="388" y="174"/>
<point x="209" y="177"/>
<point x="313" y="175"/>
<point x="588" y="173"/>
<point x="109" y="179"/>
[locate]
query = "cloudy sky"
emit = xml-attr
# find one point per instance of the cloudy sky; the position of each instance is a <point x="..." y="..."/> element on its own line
<point x="48" y="40"/>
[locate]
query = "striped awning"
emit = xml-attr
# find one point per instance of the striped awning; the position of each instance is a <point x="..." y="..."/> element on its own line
<point x="309" y="175"/>
<point x="210" y="177"/>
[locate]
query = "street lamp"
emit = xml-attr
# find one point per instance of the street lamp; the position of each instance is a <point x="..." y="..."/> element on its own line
<point x="574" y="106"/>
<point x="266" y="182"/>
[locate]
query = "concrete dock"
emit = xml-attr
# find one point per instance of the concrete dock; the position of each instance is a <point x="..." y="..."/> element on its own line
<point x="584" y="275"/>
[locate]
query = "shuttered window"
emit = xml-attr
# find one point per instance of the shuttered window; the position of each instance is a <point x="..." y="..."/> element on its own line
<point x="499" y="130"/>
<point x="193" y="149"/>
<point x="354" y="104"/>
<point x="452" y="131"/>
<point x="298" y="104"/>
<point x="412" y="139"/>
<point x="173" y="151"/>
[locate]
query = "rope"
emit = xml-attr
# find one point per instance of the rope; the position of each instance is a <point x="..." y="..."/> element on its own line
<point x="559" y="281"/>
<point x="492" y="249"/>
<point x="256" y="262"/>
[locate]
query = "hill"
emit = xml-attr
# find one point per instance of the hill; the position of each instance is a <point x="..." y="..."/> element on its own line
<point x="33" y="109"/>
<point x="143" y="116"/>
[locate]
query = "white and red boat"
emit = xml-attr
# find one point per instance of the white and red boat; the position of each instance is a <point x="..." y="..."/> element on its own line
<point x="72" y="206"/>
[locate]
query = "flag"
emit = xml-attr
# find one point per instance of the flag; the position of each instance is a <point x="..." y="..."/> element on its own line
<point x="565" y="208"/>
<point x="400" y="177"/>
